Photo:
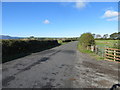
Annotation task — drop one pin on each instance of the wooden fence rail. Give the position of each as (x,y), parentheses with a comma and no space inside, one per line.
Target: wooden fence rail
(112,54)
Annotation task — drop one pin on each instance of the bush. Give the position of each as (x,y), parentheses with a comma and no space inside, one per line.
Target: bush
(86,40)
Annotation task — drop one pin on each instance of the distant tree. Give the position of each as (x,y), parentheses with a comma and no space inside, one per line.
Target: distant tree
(31,36)
(93,35)
(105,36)
(86,39)
(118,35)
(114,35)
(98,36)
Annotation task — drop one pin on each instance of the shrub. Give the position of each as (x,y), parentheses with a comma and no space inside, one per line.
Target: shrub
(86,39)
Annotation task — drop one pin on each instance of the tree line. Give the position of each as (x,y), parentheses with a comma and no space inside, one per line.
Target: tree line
(113,36)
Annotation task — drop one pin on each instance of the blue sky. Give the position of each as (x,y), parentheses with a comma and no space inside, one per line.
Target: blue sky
(58,19)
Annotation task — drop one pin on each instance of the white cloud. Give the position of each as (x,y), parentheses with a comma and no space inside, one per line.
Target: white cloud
(46,21)
(77,3)
(113,19)
(110,13)
(80,4)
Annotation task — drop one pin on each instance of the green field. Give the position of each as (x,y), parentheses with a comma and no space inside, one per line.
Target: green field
(108,43)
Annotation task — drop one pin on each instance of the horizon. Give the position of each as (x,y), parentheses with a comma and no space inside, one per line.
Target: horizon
(59,37)
(59,19)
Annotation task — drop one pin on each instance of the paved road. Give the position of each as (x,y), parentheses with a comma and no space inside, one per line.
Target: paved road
(59,67)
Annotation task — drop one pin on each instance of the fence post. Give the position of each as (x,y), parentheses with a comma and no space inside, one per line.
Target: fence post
(96,49)
(114,54)
(105,53)
(92,48)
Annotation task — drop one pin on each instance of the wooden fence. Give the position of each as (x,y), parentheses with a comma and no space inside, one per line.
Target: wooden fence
(107,53)
(112,54)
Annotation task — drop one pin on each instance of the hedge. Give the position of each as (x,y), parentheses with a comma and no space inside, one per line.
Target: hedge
(13,48)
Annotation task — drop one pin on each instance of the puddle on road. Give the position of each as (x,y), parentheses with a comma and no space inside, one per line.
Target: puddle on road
(44,59)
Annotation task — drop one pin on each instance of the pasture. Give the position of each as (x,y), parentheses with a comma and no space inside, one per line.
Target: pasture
(108,43)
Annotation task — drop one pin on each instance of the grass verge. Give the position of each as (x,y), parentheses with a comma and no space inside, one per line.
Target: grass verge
(93,55)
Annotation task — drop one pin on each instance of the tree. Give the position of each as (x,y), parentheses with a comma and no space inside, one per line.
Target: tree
(31,36)
(86,39)
(105,36)
(98,36)
(93,35)
(115,35)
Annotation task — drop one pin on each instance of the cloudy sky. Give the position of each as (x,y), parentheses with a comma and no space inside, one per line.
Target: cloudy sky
(59,19)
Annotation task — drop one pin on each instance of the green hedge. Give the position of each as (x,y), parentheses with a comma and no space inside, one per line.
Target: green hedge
(13,48)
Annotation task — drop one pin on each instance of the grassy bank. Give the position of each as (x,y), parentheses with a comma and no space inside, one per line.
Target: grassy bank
(93,55)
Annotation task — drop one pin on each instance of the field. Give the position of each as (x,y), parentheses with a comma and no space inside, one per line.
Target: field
(108,43)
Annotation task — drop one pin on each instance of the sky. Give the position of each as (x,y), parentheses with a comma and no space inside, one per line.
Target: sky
(59,19)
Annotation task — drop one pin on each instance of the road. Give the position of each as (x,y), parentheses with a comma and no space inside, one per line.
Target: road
(59,67)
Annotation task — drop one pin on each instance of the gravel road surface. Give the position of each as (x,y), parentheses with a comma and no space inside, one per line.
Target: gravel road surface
(59,67)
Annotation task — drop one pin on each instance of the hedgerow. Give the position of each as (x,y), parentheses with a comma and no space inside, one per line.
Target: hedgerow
(13,48)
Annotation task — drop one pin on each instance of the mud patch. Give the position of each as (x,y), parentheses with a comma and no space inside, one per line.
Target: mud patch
(72,79)
(100,68)
(103,83)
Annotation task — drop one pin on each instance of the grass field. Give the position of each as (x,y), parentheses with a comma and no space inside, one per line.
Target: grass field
(108,43)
